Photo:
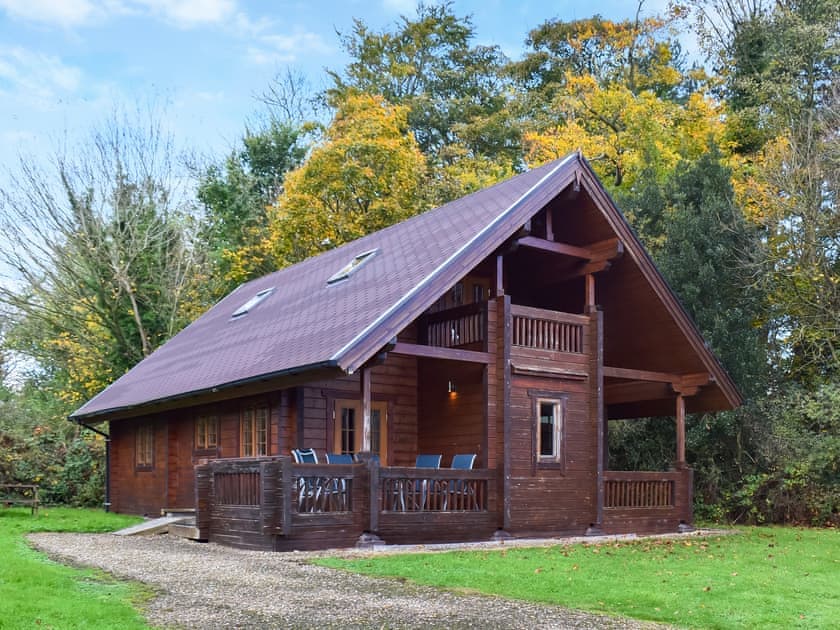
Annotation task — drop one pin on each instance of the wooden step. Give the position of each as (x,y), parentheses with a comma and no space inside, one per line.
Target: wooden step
(185,529)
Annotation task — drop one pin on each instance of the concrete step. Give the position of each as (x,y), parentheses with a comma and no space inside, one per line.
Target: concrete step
(185,529)
(153,526)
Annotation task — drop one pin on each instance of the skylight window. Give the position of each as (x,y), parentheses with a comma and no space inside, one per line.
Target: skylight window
(252,303)
(352,267)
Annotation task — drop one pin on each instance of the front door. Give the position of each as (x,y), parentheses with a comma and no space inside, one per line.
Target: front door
(347,436)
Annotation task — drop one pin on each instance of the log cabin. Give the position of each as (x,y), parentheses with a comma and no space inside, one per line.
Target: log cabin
(512,324)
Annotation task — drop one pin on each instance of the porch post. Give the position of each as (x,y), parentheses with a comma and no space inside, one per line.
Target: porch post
(680,463)
(364,384)
(596,323)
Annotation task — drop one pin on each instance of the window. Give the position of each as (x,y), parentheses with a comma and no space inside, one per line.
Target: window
(352,267)
(458,294)
(252,303)
(144,447)
(206,433)
(549,430)
(253,432)
(348,428)
(478,293)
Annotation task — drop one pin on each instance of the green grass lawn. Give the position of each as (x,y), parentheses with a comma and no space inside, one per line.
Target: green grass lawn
(38,593)
(761,578)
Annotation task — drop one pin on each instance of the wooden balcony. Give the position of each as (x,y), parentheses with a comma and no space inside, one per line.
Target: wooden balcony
(272,503)
(460,327)
(553,331)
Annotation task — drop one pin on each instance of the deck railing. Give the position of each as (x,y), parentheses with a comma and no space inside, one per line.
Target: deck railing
(624,489)
(542,329)
(457,327)
(322,488)
(434,490)
(237,488)
(257,502)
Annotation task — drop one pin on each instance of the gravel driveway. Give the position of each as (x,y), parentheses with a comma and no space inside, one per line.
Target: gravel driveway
(209,586)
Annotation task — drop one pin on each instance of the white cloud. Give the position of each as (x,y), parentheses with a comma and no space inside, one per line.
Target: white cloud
(42,79)
(59,12)
(400,6)
(71,13)
(189,13)
(286,48)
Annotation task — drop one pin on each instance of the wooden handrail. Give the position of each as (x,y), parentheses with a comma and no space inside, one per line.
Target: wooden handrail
(554,316)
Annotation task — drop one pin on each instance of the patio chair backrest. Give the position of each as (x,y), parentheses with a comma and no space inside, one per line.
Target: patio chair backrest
(305,455)
(428,461)
(463,461)
(339,458)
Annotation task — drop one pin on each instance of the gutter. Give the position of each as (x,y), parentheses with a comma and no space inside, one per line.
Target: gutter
(107,437)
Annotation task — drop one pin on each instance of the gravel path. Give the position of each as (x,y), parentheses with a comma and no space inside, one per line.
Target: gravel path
(209,586)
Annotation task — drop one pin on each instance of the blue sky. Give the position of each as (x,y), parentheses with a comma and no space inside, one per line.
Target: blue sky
(65,63)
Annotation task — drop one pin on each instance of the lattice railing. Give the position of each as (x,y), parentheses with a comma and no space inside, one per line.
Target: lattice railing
(434,490)
(322,493)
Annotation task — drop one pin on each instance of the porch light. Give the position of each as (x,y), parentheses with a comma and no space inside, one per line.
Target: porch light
(450,387)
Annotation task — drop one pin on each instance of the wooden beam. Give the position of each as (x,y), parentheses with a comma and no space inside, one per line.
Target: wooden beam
(680,382)
(636,391)
(500,275)
(680,432)
(446,354)
(544,245)
(595,252)
(589,302)
(583,269)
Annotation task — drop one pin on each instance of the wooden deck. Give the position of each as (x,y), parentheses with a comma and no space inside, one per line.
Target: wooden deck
(275,504)
(272,503)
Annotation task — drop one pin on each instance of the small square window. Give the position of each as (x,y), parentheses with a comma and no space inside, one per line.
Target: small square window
(206,433)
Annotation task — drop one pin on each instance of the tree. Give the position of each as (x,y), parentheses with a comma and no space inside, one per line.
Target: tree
(623,133)
(456,93)
(236,196)
(367,174)
(103,261)
(640,54)
(781,68)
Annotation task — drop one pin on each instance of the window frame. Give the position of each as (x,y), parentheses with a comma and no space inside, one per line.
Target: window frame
(203,422)
(249,426)
(559,401)
(144,447)
(335,427)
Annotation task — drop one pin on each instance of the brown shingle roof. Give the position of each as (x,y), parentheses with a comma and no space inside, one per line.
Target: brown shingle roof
(307,323)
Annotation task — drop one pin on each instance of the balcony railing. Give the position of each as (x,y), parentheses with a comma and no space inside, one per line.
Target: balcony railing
(542,329)
(457,327)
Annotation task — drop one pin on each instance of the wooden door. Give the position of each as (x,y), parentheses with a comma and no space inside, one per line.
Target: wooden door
(181,476)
